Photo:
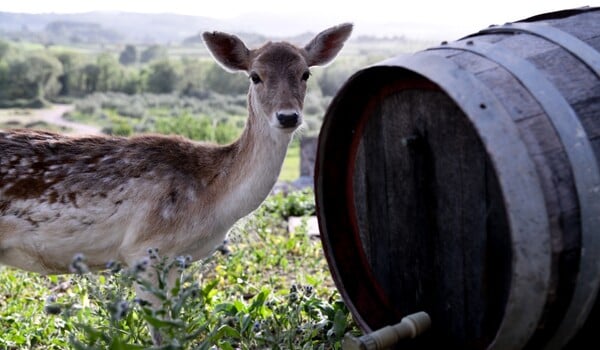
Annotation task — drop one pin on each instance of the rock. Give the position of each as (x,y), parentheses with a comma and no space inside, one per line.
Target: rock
(312,224)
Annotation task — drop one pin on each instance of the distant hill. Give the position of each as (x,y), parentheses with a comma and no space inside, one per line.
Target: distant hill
(111,27)
(137,28)
(79,32)
(166,28)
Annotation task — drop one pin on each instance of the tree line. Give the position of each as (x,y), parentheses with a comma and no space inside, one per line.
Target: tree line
(30,78)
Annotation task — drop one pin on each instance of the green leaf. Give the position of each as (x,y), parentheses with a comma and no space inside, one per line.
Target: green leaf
(258,302)
(339,324)
(225,346)
(161,323)
(227,308)
(228,331)
(92,334)
(246,322)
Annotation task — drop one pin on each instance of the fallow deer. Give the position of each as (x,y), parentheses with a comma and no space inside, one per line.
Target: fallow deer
(113,198)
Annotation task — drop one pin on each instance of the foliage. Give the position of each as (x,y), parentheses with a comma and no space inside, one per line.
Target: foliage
(185,70)
(163,77)
(72,64)
(166,114)
(266,289)
(192,82)
(54,74)
(185,125)
(153,52)
(296,203)
(33,77)
(290,170)
(119,128)
(110,72)
(4,47)
(224,82)
(128,55)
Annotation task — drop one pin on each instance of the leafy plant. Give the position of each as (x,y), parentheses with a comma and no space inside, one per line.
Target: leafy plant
(298,203)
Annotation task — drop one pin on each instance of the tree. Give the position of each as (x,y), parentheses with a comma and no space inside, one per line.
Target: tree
(34,77)
(162,77)
(332,78)
(90,76)
(70,79)
(152,53)
(132,82)
(4,82)
(218,80)
(110,73)
(193,77)
(128,55)
(4,48)
(45,70)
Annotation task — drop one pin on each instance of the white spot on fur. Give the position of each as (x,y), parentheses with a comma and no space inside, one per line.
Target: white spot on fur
(191,195)
(167,212)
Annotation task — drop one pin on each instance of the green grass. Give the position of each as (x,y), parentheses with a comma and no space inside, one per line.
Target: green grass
(290,170)
(273,290)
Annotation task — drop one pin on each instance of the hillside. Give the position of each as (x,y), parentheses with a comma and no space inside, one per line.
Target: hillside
(165,28)
(109,27)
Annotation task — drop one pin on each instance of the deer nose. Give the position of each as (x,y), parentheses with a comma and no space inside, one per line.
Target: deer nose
(288,119)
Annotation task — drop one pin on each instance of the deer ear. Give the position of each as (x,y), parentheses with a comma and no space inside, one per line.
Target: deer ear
(326,45)
(228,50)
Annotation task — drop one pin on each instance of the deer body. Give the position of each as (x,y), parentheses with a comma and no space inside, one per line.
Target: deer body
(67,196)
(112,198)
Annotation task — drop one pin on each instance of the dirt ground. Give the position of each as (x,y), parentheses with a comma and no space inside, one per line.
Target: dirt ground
(53,116)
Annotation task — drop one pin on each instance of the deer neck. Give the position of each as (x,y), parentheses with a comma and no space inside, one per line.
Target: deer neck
(255,166)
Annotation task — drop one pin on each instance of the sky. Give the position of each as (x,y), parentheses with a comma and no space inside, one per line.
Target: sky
(454,16)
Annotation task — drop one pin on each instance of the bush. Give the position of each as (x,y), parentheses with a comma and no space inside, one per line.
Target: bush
(163,77)
(298,203)
(132,110)
(225,131)
(24,103)
(89,106)
(120,128)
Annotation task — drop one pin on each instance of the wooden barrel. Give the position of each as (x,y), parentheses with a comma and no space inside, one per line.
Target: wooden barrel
(463,181)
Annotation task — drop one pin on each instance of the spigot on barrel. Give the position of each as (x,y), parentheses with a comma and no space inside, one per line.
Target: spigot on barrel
(409,327)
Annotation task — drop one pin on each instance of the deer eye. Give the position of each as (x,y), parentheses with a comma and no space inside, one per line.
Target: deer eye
(255,78)
(305,76)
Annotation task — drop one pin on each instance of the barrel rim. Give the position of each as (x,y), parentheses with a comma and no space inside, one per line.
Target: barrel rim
(365,286)
(560,14)
(377,298)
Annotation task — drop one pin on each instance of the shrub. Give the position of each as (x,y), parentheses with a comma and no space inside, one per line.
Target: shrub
(186,125)
(298,203)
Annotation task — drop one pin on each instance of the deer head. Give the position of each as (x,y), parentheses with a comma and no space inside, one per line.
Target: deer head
(278,72)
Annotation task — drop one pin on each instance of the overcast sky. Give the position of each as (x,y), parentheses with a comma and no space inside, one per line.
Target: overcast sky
(456,15)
